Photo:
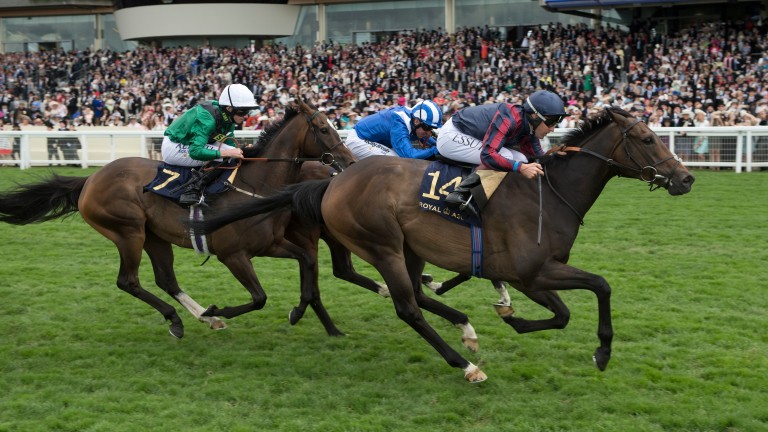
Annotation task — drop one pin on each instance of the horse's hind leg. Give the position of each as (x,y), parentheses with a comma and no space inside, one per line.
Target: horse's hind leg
(401,283)
(415,266)
(160,254)
(128,281)
(343,269)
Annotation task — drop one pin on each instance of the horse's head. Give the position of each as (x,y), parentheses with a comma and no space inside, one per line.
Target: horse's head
(636,151)
(321,139)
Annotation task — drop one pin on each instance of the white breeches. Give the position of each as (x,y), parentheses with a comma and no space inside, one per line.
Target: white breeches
(178,154)
(455,145)
(363,148)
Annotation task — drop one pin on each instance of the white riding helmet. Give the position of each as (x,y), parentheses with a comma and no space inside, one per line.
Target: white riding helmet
(237,96)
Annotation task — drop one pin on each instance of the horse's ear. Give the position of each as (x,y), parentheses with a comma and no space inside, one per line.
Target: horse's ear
(302,105)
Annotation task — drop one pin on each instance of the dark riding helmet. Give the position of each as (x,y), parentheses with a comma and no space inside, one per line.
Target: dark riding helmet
(544,106)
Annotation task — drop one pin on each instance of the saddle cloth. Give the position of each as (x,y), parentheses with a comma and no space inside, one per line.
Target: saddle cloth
(440,179)
(170,180)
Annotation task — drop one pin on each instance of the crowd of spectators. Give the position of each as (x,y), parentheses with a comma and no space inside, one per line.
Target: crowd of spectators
(718,69)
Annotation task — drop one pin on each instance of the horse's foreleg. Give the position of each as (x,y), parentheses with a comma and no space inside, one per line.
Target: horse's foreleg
(547,299)
(161,255)
(241,268)
(504,298)
(559,276)
(444,287)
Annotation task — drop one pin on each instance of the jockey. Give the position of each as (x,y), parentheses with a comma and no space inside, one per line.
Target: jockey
(484,135)
(198,136)
(390,132)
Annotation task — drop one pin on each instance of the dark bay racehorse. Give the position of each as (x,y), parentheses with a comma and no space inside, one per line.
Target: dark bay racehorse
(373,209)
(113,202)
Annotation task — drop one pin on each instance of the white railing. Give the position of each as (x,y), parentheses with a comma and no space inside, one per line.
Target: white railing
(736,148)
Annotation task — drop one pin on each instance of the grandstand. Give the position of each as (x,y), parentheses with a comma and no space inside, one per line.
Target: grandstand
(120,25)
(656,62)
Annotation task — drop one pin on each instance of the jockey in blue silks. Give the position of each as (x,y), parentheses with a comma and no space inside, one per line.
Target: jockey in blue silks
(391,132)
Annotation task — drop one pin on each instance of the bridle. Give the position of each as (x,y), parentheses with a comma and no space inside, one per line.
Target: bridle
(326,158)
(648,174)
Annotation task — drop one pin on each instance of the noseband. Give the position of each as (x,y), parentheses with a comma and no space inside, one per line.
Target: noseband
(327,157)
(648,173)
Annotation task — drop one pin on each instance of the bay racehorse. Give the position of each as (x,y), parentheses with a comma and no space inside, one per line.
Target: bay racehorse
(373,209)
(114,203)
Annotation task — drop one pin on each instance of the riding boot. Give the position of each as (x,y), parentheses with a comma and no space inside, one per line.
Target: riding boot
(193,191)
(463,192)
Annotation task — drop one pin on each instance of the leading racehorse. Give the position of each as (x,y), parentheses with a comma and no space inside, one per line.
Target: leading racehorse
(113,201)
(385,226)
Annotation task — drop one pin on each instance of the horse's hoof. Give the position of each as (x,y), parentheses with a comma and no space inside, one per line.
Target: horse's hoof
(473,374)
(426,278)
(601,358)
(211,311)
(295,315)
(384,291)
(471,344)
(177,330)
(504,311)
(218,325)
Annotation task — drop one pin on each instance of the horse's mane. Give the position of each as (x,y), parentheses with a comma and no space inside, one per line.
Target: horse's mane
(590,126)
(271,131)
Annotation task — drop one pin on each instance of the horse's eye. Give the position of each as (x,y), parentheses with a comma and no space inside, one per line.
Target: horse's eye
(324,130)
(649,141)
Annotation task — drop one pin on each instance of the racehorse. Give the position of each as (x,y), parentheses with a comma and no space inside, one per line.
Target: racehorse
(114,203)
(384,225)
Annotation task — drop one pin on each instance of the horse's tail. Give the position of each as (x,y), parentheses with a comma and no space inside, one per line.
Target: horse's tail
(303,199)
(40,202)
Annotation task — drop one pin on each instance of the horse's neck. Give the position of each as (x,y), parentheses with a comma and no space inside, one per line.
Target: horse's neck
(581,178)
(579,181)
(273,175)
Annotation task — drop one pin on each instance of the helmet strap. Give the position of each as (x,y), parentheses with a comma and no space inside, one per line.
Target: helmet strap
(540,117)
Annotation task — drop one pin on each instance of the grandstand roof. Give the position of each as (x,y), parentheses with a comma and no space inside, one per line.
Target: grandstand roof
(562,5)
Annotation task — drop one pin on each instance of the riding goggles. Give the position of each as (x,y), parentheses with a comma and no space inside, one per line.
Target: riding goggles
(240,112)
(426,127)
(549,120)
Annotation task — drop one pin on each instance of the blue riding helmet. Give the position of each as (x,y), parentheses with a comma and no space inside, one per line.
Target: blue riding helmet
(429,113)
(544,106)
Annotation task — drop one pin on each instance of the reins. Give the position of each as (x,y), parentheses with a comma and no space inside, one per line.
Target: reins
(650,170)
(326,158)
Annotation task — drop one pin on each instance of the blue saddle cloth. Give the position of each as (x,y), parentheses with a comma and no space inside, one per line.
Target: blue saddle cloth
(170,180)
(438,181)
